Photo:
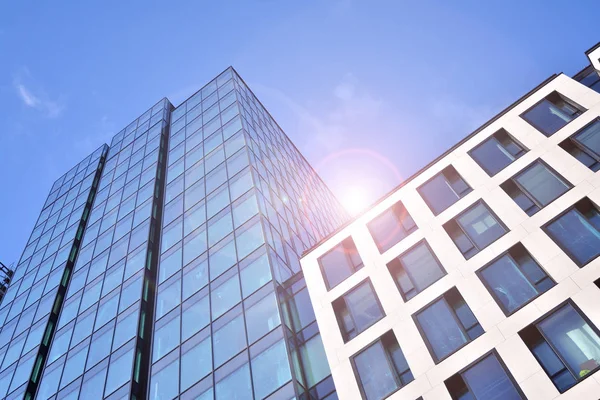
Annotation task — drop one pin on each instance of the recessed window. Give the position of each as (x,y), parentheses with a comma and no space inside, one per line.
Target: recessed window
(585,145)
(416,270)
(381,368)
(577,232)
(444,189)
(474,229)
(485,379)
(357,310)
(391,226)
(497,152)
(590,78)
(340,262)
(514,279)
(447,324)
(535,187)
(552,113)
(565,344)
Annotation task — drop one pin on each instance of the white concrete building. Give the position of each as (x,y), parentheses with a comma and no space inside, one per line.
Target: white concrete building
(479,276)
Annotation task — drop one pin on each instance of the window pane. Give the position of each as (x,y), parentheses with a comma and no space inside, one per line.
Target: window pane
(229,340)
(492,156)
(363,306)
(590,137)
(340,263)
(236,386)
(374,372)
(270,370)
(489,381)
(225,296)
(196,363)
(481,226)
(576,235)
(550,114)
(438,194)
(508,283)
(314,361)
(119,371)
(441,329)
(195,317)
(541,183)
(163,385)
(262,317)
(577,343)
(421,266)
(166,338)
(387,229)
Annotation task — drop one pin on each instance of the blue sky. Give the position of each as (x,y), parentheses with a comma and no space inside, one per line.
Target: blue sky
(369,91)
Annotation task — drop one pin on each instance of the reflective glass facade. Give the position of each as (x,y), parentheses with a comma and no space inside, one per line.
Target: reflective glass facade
(29,310)
(184,279)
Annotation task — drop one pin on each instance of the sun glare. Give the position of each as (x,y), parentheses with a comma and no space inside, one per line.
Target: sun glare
(354,200)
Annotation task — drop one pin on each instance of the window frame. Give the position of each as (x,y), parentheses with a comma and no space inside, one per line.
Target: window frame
(413,247)
(495,353)
(479,273)
(572,140)
(474,246)
(493,136)
(533,325)
(464,330)
(348,258)
(342,299)
(396,209)
(449,167)
(388,359)
(565,250)
(514,180)
(565,99)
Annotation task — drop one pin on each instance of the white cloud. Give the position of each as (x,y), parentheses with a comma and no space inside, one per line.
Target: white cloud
(39,100)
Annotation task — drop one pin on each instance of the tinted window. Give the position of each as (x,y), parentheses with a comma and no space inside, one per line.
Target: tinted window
(416,270)
(585,145)
(391,226)
(443,190)
(486,379)
(497,152)
(474,229)
(535,187)
(565,344)
(515,279)
(339,263)
(447,324)
(357,310)
(552,113)
(577,232)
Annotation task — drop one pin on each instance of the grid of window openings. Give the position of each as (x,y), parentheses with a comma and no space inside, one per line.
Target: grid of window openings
(241,205)
(27,313)
(565,343)
(93,351)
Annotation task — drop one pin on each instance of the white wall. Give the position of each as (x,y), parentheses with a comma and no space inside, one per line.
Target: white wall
(501,332)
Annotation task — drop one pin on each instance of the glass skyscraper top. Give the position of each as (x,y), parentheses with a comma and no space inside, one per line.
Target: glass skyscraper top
(167,266)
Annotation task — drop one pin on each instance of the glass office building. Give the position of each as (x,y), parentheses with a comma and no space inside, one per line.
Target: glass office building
(167,265)
(479,276)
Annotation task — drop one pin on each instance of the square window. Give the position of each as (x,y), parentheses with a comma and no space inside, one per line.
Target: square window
(381,368)
(443,190)
(497,152)
(485,379)
(357,310)
(552,113)
(535,187)
(474,229)
(447,325)
(391,226)
(514,279)
(577,232)
(565,344)
(584,145)
(340,262)
(415,270)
